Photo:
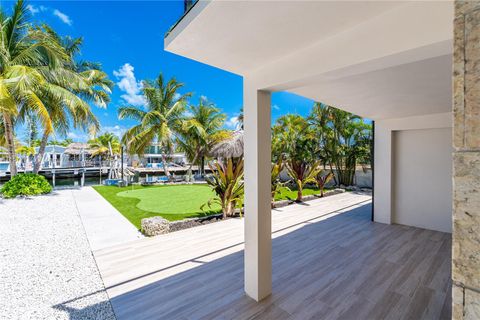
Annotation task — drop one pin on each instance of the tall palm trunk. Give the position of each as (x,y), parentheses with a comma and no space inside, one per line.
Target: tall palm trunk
(165,166)
(189,170)
(202,166)
(41,153)
(10,139)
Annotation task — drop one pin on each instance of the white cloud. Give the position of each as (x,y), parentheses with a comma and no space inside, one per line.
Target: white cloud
(33,9)
(129,84)
(233,123)
(275,107)
(36,9)
(63,17)
(77,136)
(72,135)
(116,130)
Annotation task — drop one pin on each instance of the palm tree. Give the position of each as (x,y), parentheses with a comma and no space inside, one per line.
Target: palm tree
(3,142)
(294,140)
(158,121)
(200,131)
(63,143)
(105,145)
(26,152)
(24,53)
(80,82)
(288,129)
(344,139)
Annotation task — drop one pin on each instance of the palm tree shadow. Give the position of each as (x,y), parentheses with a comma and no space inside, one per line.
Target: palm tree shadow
(76,311)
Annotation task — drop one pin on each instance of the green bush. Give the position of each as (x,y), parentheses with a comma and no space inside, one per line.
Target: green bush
(26,184)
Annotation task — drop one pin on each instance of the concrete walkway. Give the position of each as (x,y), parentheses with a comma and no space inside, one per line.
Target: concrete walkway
(104,225)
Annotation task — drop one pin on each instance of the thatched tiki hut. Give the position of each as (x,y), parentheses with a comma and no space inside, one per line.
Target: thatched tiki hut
(78,154)
(229,148)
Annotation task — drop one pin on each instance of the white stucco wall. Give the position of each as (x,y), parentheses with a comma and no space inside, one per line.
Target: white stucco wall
(389,204)
(422,178)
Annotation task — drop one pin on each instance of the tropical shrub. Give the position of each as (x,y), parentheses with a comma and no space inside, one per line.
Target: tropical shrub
(26,184)
(277,184)
(227,182)
(321,179)
(302,173)
(295,140)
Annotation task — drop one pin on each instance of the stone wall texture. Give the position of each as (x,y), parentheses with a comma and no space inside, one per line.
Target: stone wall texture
(466,161)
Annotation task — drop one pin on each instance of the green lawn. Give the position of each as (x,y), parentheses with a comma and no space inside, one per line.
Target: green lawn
(171,202)
(291,194)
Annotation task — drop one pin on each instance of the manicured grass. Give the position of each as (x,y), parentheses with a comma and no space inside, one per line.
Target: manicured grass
(286,194)
(171,202)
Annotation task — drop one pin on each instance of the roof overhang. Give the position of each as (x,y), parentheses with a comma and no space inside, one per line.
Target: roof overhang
(379,59)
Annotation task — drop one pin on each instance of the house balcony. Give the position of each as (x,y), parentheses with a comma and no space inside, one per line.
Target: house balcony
(330,261)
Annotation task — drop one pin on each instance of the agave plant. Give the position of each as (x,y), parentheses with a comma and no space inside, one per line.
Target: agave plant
(227,182)
(302,173)
(322,179)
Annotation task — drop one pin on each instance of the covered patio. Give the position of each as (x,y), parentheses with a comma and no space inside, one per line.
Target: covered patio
(388,61)
(329,261)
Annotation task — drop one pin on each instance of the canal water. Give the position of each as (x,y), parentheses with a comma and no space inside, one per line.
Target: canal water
(76,181)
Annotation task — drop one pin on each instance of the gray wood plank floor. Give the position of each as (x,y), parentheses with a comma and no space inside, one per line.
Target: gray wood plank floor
(329,262)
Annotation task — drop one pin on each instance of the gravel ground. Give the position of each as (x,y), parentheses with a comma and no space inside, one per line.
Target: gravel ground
(47,270)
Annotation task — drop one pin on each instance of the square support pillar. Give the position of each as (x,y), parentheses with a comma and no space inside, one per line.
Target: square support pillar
(258,224)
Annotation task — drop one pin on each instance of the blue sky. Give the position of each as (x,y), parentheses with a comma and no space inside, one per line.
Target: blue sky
(127,39)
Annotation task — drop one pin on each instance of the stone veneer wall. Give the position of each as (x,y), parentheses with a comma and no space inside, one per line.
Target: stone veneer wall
(466,166)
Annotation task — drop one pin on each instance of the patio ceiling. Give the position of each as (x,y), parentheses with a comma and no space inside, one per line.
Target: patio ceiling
(378,59)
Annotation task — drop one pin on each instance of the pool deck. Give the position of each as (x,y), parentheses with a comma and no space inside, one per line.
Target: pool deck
(104,225)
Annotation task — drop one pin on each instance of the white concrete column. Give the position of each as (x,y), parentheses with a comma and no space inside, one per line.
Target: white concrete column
(258,224)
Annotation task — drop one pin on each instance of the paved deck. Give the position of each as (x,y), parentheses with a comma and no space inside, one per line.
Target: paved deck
(104,225)
(329,262)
